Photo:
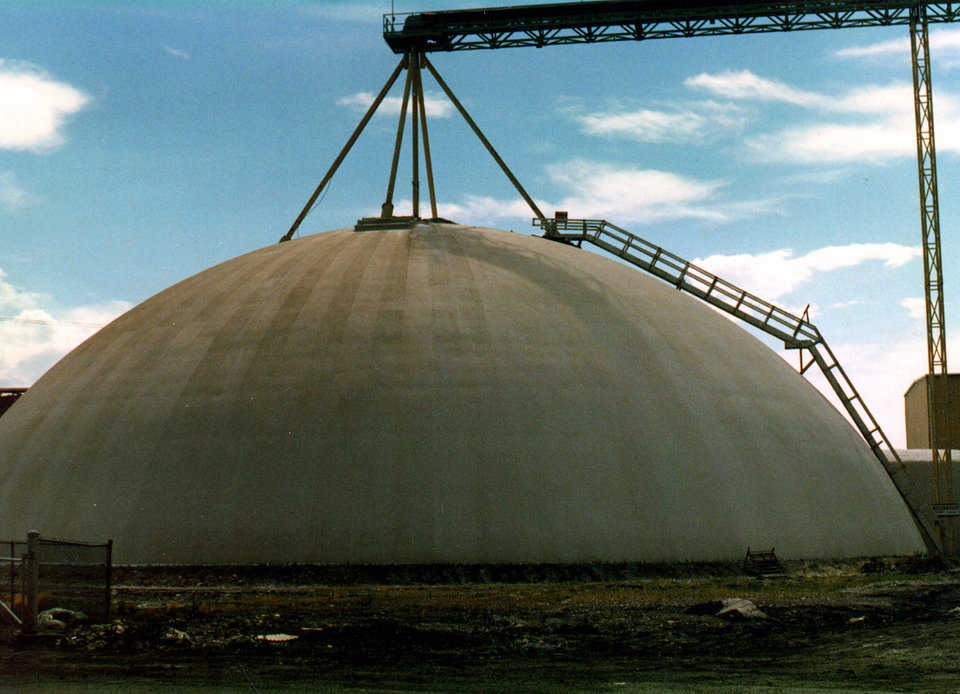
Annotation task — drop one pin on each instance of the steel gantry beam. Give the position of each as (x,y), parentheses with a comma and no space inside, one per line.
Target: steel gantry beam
(637,20)
(936,382)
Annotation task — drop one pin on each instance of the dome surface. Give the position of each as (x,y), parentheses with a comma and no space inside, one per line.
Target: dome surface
(442,394)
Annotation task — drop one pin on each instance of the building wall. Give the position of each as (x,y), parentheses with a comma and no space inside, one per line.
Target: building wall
(917,421)
(916,477)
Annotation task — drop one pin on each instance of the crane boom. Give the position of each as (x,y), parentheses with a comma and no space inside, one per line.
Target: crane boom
(636,20)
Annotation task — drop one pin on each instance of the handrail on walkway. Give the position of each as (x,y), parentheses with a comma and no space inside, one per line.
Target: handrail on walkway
(795,332)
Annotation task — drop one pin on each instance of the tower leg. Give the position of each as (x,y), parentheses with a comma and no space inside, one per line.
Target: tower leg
(426,146)
(386,210)
(486,143)
(343,152)
(937,392)
(414,139)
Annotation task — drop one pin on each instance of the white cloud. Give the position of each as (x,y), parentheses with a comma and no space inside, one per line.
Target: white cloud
(871,123)
(744,84)
(605,189)
(176,53)
(643,196)
(875,124)
(620,194)
(899,46)
(892,99)
(816,144)
(679,123)
(645,125)
(15,299)
(777,273)
(942,43)
(887,132)
(916,307)
(33,338)
(12,196)
(844,304)
(437,105)
(35,107)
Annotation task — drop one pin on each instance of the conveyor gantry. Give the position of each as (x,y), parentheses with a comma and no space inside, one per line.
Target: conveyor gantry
(566,23)
(416,34)
(603,21)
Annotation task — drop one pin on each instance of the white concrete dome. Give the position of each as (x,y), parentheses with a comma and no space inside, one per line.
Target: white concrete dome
(446,394)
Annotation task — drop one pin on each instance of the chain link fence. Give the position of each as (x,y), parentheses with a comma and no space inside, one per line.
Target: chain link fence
(72,575)
(76,575)
(13,576)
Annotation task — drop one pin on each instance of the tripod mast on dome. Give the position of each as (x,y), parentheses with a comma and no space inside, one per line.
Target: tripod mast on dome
(413,61)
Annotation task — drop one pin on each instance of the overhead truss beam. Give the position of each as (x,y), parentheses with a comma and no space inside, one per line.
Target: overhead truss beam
(600,22)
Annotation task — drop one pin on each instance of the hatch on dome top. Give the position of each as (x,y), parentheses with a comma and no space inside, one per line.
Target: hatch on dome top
(394,223)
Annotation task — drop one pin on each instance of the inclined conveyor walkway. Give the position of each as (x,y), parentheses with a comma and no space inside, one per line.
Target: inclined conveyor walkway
(795,332)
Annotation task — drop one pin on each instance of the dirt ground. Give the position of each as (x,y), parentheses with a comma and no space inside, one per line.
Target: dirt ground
(889,625)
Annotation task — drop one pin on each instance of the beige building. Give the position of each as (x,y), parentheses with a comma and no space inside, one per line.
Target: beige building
(445,394)
(917,421)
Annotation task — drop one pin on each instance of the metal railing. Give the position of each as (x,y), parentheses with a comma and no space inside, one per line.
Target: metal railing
(60,573)
(13,580)
(795,332)
(750,308)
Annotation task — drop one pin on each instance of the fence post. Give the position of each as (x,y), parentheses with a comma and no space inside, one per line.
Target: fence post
(109,576)
(13,573)
(32,568)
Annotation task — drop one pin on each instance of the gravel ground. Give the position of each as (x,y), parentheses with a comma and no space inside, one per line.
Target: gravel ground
(870,626)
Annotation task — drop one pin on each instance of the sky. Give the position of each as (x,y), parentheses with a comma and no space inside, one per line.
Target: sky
(142,142)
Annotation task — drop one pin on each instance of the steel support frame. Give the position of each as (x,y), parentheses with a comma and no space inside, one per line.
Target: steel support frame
(386,210)
(413,96)
(936,382)
(343,152)
(413,93)
(483,139)
(639,25)
(427,159)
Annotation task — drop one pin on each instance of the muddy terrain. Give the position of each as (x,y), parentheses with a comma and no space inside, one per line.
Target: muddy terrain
(867,626)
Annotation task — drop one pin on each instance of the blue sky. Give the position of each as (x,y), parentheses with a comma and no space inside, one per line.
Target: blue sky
(143,142)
